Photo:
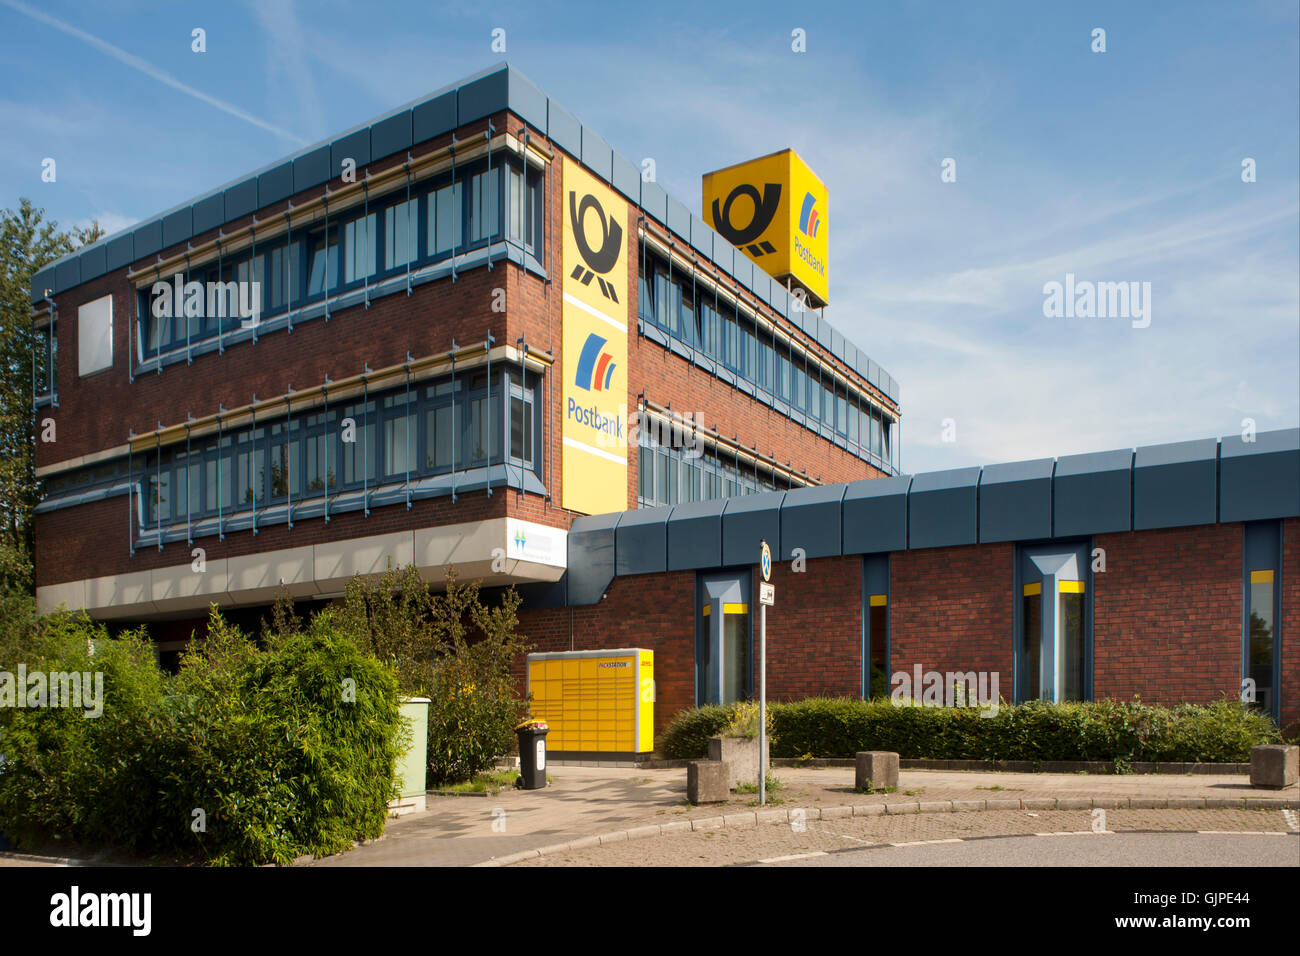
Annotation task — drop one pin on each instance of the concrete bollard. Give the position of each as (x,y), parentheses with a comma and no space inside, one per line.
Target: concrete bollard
(1274,765)
(708,781)
(877,770)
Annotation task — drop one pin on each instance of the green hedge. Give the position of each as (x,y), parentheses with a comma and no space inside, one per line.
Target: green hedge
(1121,732)
(285,751)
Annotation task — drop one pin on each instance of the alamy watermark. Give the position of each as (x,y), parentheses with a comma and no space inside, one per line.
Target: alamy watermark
(200,300)
(1084,299)
(950,689)
(75,689)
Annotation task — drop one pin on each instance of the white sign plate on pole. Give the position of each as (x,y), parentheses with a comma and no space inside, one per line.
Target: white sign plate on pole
(766,593)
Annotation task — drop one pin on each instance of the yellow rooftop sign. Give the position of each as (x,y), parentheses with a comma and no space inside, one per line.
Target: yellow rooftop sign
(774,209)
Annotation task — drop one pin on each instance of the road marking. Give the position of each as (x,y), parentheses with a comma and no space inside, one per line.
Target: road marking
(847,837)
(929,842)
(793,856)
(1075,833)
(1244,832)
(1291,821)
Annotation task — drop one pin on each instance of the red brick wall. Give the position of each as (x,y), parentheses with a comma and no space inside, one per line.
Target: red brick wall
(814,632)
(1167,615)
(651,611)
(951,609)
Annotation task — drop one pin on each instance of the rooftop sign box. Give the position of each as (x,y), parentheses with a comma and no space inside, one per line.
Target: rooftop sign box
(774,209)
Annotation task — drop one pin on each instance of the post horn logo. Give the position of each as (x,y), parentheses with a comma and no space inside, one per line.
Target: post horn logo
(764,211)
(598,261)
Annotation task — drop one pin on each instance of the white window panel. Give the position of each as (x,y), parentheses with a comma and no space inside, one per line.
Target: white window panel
(95,335)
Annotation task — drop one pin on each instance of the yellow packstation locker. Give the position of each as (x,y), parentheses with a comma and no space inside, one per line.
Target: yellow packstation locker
(595,701)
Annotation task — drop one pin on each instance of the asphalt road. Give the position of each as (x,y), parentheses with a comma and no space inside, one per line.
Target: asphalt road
(1091,849)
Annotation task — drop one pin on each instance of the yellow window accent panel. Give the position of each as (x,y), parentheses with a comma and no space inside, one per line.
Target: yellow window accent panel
(735,609)
(1032,589)
(1261,577)
(879,600)
(1072,587)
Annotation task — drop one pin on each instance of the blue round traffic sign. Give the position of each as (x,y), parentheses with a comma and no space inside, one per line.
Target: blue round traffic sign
(765,561)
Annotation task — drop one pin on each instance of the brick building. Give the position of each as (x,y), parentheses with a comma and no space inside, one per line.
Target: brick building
(470,333)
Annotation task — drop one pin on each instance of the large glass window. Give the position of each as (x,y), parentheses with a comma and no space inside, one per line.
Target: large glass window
(401,232)
(444,218)
(1261,572)
(359,239)
(722,645)
(324,255)
(484,220)
(1052,649)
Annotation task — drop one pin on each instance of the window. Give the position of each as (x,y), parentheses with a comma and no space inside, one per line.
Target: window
(722,639)
(444,219)
(45,361)
(324,273)
(521,422)
(1259,666)
(523,205)
(875,649)
(359,248)
(401,230)
(400,435)
(1053,652)
(95,335)
(359,452)
(484,220)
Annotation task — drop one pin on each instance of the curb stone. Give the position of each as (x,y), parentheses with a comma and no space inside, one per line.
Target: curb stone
(752,818)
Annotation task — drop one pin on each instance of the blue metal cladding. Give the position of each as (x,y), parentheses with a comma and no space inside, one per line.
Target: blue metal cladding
(746,521)
(45,279)
(93,262)
(1175,485)
(875,515)
(149,238)
(1016,501)
(679,219)
(121,251)
(67,274)
(810,520)
(311,169)
(942,508)
(695,535)
(641,542)
(591,557)
(433,117)
(741,268)
(209,213)
(654,201)
(274,185)
(701,237)
(626,178)
(1260,479)
(596,154)
(482,97)
(241,200)
(563,128)
(177,227)
(392,135)
(354,146)
(1093,493)
(526,100)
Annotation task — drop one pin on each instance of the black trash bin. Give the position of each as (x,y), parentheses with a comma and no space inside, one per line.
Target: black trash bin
(532,754)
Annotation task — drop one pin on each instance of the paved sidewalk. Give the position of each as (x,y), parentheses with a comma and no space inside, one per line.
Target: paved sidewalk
(584,802)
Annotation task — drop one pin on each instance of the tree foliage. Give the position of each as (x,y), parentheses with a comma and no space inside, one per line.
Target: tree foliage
(28,242)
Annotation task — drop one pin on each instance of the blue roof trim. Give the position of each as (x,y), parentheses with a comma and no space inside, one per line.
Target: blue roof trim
(1260,479)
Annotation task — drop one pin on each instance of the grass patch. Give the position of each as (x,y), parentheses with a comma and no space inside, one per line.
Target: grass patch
(489,781)
(868,788)
(998,786)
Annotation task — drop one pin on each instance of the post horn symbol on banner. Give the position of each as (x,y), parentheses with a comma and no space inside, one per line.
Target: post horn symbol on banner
(598,261)
(764,211)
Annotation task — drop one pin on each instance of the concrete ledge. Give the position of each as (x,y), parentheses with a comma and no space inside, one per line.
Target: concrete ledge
(934,806)
(708,823)
(583,843)
(1038,803)
(772,816)
(677,826)
(1002,803)
(619,836)
(740,820)
(1147,803)
(836,813)
(1110,803)
(1185,803)
(1074,803)
(894,809)
(641,833)
(868,809)
(962,806)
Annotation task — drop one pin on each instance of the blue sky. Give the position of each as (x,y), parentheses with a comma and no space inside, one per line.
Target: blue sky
(1115,166)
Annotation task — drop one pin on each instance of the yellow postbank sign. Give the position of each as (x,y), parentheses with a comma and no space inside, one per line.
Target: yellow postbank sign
(594,341)
(774,209)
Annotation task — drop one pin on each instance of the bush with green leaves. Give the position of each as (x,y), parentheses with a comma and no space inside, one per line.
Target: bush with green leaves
(1118,732)
(454,649)
(247,756)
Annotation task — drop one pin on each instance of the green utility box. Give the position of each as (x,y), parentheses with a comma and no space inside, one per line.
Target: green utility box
(411,769)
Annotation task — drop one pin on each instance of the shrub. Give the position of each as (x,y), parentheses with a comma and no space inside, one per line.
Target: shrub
(1122,732)
(285,751)
(687,736)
